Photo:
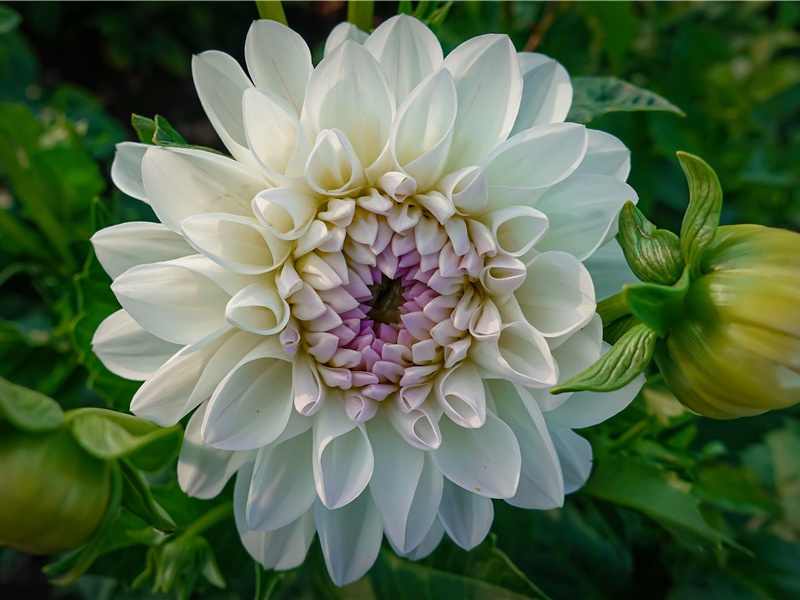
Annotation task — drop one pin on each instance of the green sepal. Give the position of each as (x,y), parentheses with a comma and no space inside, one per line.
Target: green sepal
(705,204)
(28,409)
(145,128)
(615,330)
(654,255)
(272,10)
(138,499)
(360,13)
(612,308)
(110,435)
(617,367)
(177,564)
(658,306)
(165,134)
(160,132)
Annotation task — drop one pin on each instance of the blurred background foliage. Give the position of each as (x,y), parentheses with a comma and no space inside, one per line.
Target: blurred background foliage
(678,506)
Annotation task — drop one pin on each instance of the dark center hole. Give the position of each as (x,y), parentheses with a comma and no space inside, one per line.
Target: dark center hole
(387,297)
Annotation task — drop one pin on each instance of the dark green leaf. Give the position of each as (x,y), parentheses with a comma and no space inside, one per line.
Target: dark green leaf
(617,367)
(9,19)
(658,306)
(595,96)
(27,409)
(733,489)
(705,204)
(654,255)
(138,499)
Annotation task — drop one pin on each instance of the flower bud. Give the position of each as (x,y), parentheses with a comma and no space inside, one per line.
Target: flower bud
(736,352)
(53,494)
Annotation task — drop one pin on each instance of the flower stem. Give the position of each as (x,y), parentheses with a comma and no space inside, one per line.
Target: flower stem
(272,10)
(359,13)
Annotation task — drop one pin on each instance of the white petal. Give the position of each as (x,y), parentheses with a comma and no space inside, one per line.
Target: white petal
(252,404)
(406,50)
(128,350)
(546,92)
(428,543)
(333,168)
(575,351)
(258,308)
(557,296)
(273,133)
(423,129)
(348,91)
(350,537)
(467,189)
(609,270)
(419,427)
(538,157)
(342,33)
(466,517)
(220,83)
(489,87)
(605,155)
(343,460)
(190,377)
(541,483)
(575,454)
(405,485)
(516,229)
(120,247)
(183,182)
(583,212)
(484,460)
(203,471)
(126,170)
(285,212)
(309,390)
(460,394)
(502,275)
(278,60)
(282,488)
(282,549)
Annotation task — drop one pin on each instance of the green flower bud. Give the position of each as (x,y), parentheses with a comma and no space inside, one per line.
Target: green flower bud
(736,352)
(53,494)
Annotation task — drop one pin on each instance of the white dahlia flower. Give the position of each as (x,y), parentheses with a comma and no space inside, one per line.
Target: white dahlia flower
(366,306)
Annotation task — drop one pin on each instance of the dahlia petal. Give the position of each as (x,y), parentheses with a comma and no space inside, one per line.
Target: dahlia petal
(126,170)
(605,155)
(406,50)
(466,517)
(190,377)
(428,544)
(423,129)
(546,92)
(252,404)
(333,169)
(516,229)
(520,353)
(461,395)
(466,188)
(203,471)
(258,308)
(407,498)
(282,489)
(485,461)
(342,33)
(182,182)
(528,159)
(575,455)
(583,213)
(236,243)
(557,297)
(577,350)
(541,482)
(286,212)
(121,247)
(128,350)
(278,60)
(489,86)
(350,537)
(609,270)
(502,275)
(220,83)
(273,133)
(419,427)
(343,460)
(281,549)
(348,91)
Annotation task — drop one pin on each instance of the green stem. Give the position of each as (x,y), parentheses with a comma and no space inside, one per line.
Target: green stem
(272,10)
(211,518)
(359,13)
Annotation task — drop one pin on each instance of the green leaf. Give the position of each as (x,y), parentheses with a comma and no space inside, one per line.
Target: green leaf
(654,255)
(272,10)
(138,499)
(110,435)
(145,128)
(705,204)
(617,367)
(9,19)
(733,489)
(166,135)
(595,96)
(660,494)
(27,409)
(658,306)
